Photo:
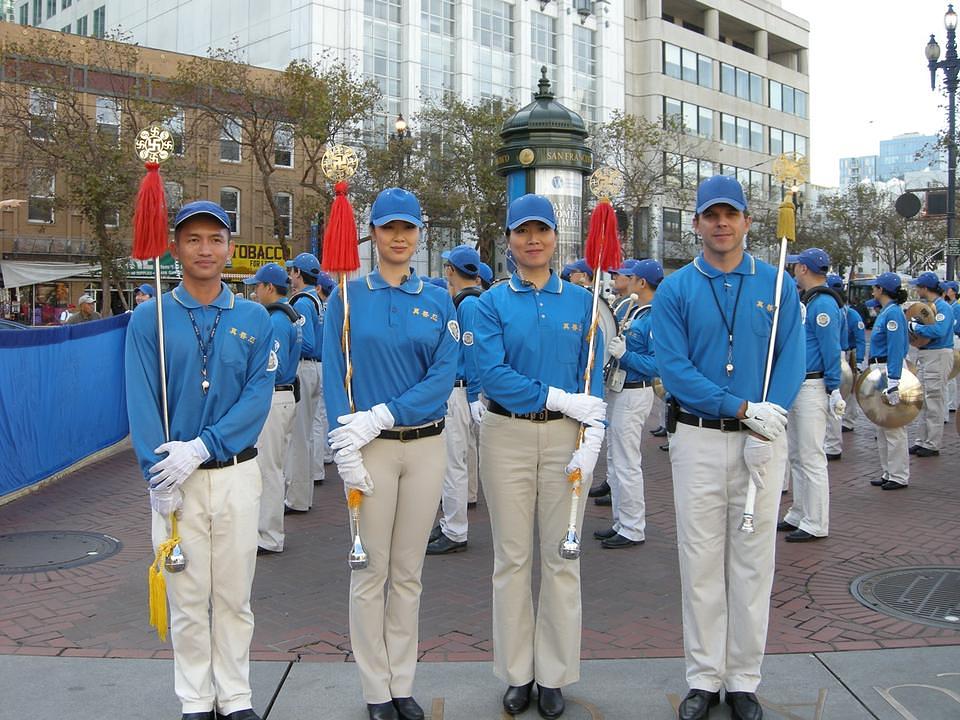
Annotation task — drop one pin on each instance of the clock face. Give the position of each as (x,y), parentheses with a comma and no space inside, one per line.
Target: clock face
(526,156)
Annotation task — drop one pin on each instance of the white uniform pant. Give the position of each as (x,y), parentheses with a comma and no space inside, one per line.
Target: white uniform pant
(806,425)
(850,414)
(320,451)
(461,444)
(211,623)
(833,442)
(473,463)
(934,368)
(627,412)
(297,469)
(271,451)
(893,451)
(522,471)
(951,401)
(726,575)
(395,524)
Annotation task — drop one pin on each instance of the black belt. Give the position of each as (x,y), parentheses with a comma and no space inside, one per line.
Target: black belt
(814,375)
(311,359)
(877,359)
(408,434)
(541,416)
(638,384)
(460,383)
(281,388)
(242,456)
(722,424)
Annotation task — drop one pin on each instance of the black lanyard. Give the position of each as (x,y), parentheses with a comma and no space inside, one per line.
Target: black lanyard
(728,325)
(206,348)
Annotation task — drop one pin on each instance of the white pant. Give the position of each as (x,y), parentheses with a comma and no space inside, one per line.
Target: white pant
(627,412)
(806,425)
(211,623)
(850,414)
(951,401)
(893,451)
(934,368)
(271,451)
(726,575)
(461,444)
(320,451)
(833,441)
(297,469)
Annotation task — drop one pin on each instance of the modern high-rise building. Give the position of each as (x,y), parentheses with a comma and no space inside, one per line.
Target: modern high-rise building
(902,154)
(858,169)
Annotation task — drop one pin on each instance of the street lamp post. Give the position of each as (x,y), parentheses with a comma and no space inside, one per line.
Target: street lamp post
(951,67)
(402,137)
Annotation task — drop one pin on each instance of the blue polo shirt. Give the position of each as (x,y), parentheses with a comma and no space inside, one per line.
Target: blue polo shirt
(528,340)
(889,338)
(856,333)
(287,345)
(824,320)
(313,322)
(639,360)
(467,361)
(955,306)
(690,338)
(941,331)
(229,416)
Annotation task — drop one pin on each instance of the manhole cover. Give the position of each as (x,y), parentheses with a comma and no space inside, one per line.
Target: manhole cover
(30,552)
(929,595)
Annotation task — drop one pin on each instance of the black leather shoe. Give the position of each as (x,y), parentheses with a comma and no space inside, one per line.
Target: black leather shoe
(605,501)
(517,698)
(199,716)
(265,551)
(799,535)
(550,702)
(665,447)
(744,706)
(599,490)
(926,452)
(287,510)
(444,546)
(619,541)
(784,526)
(913,449)
(471,505)
(696,705)
(891,485)
(834,456)
(247,714)
(435,534)
(659,432)
(846,429)
(408,708)
(382,711)
(878,482)
(604,534)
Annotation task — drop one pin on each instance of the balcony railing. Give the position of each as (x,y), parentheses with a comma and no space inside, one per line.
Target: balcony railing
(46,245)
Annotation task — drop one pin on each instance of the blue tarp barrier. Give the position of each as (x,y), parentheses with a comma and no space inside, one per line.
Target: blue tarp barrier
(61,397)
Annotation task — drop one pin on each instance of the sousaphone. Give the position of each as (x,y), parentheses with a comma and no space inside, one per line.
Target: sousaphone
(869,391)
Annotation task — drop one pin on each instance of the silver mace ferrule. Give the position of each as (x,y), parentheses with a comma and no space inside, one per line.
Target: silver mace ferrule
(570,545)
(176,561)
(747,525)
(357,559)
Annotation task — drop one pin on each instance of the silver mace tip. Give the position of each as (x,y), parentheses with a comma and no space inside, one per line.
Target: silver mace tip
(357,559)
(747,525)
(570,545)
(175,562)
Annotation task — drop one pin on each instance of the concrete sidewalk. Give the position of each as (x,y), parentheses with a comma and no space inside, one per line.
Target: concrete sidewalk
(911,684)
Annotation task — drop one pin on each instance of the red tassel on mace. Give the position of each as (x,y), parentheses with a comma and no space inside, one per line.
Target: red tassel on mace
(150,235)
(603,245)
(340,242)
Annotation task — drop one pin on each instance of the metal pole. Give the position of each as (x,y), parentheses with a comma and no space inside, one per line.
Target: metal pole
(950,71)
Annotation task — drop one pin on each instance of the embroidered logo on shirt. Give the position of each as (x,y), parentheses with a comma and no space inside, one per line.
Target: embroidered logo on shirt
(576,327)
(243,335)
(425,314)
(454,329)
(272,362)
(468,338)
(939,317)
(892,325)
(823,319)
(861,325)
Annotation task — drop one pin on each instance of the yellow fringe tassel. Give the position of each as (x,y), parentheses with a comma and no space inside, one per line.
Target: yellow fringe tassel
(158,584)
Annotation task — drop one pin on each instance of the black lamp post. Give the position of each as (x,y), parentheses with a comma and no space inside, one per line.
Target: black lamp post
(950,66)
(401,136)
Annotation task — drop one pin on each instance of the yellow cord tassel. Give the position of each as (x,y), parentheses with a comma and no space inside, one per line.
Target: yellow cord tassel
(787,219)
(157,583)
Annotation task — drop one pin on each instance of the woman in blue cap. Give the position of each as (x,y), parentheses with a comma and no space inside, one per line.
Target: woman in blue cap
(889,343)
(404,341)
(530,341)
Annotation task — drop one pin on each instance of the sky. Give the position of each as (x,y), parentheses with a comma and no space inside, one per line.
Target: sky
(869,78)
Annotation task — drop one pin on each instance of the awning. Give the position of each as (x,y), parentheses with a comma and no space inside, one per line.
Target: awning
(17,273)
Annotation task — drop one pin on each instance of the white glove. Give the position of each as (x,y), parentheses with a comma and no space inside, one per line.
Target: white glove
(166,500)
(912,326)
(891,394)
(837,404)
(766,418)
(756,454)
(352,471)
(359,428)
(182,459)
(617,346)
(582,407)
(477,410)
(864,365)
(585,457)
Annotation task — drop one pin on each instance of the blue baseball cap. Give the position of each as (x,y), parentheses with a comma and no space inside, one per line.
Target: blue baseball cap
(871,303)
(202,207)
(271,273)
(464,258)
(625,268)
(720,189)
(814,258)
(927,280)
(889,281)
(306,263)
(834,281)
(396,204)
(326,283)
(650,270)
(438,281)
(531,207)
(147,290)
(580,265)
(486,273)
(950,285)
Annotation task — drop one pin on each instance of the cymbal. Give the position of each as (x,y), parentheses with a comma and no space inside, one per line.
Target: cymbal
(869,390)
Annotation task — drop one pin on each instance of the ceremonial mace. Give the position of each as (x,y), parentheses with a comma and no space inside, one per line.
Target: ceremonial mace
(602,252)
(341,256)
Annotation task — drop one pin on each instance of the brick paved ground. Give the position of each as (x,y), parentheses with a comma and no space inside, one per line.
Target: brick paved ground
(631,597)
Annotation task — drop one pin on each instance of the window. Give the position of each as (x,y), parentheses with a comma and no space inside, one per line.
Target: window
(728,129)
(690,117)
(776,95)
(493,53)
(82,25)
(756,88)
(37,12)
(230,136)
(25,14)
(671,111)
(743,83)
(65,4)
(42,193)
(175,124)
(800,144)
(43,113)
(776,141)
(671,225)
(705,123)
(51,8)
(543,38)
(284,203)
(743,133)
(757,184)
(704,71)
(111,218)
(283,146)
(672,167)
(671,61)
(691,168)
(756,136)
(100,21)
(230,202)
(173,193)
(438,49)
(728,79)
(381,62)
(689,65)
(108,119)
(585,72)
(788,97)
(66,29)
(800,103)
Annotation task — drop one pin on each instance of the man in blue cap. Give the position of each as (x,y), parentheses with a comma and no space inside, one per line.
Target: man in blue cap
(220,378)
(144,292)
(581,273)
(711,328)
(819,398)
(464,408)
(628,406)
(486,275)
(621,299)
(320,444)
(854,346)
(270,289)
(300,470)
(934,362)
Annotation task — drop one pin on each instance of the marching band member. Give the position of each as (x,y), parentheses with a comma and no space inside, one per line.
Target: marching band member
(833,442)
(404,337)
(888,347)
(951,288)
(934,361)
(857,342)
(531,351)
(819,398)
(220,379)
(319,445)
(628,410)
(711,328)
